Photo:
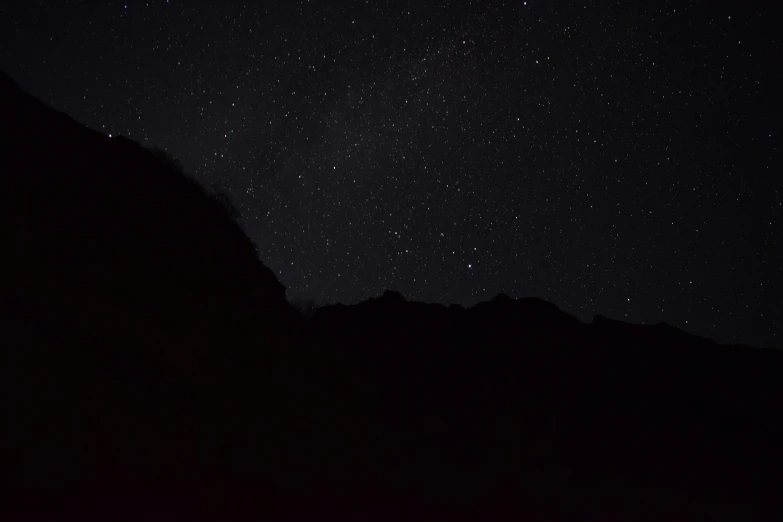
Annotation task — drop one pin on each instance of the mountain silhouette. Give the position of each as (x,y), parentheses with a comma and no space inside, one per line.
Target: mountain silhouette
(152,368)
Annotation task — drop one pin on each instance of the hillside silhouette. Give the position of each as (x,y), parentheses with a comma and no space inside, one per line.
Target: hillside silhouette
(152,369)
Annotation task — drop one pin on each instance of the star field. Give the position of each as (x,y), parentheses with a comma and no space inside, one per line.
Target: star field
(614,158)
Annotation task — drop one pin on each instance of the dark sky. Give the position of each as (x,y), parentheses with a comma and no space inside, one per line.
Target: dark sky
(621,158)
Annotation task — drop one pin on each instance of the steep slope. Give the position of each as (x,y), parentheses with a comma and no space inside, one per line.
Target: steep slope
(108,214)
(137,321)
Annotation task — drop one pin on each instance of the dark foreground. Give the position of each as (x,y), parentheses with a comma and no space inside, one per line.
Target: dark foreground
(151,369)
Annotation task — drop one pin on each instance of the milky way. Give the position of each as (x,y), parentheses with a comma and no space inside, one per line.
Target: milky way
(612,158)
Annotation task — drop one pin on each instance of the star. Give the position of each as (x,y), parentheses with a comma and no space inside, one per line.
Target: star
(427,132)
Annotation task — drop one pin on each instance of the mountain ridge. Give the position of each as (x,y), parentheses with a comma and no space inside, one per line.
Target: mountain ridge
(152,367)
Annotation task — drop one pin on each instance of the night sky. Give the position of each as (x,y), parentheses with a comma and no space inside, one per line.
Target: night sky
(616,158)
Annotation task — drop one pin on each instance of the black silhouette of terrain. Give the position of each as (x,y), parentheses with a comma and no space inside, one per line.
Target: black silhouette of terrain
(152,369)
